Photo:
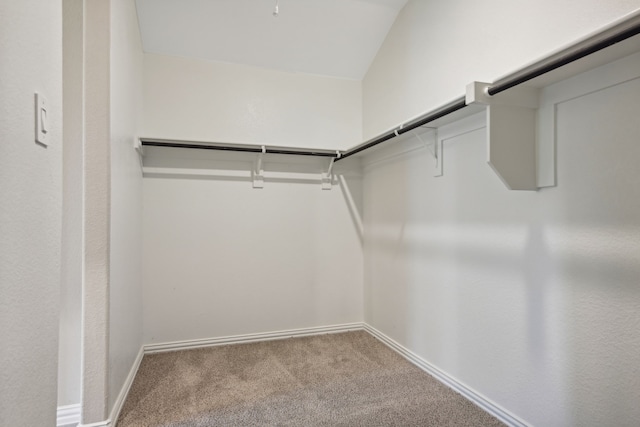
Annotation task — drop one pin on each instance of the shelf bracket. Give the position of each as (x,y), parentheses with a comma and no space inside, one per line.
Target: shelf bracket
(137,145)
(511,133)
(327,178)
(435,148)
(257,174)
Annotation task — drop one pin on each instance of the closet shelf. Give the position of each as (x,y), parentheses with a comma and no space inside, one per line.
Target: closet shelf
(512,110)
(246,148)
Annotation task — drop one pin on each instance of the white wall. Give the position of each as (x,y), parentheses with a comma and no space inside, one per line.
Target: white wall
(530,298)
(96,216)
(30,212)
(435,48)
(72,240)
(208,101)
(222,258)
(71,254)
(125,287)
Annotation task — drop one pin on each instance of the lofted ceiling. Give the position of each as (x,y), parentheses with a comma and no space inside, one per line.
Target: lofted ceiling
(336,38)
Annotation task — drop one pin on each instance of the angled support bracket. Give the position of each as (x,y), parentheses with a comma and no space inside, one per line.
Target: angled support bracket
(435,147)
(137,145)
(257,174)
(511,133)
(327,178)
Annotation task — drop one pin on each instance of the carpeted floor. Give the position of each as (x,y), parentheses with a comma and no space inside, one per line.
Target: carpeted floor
(347,379)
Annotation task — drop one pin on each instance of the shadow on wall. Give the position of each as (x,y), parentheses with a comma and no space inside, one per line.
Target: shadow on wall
(538,267)
(183,163)
(351,188)
(180,163)
(599,251)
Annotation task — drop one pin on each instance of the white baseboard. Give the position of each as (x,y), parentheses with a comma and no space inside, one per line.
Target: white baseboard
(486,404)
(68,415)
(105,423)
(475,397)
(238,339)
(117,406)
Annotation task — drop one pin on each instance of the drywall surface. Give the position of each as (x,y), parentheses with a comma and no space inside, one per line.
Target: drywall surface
(72,240)
(96,220)
(529,298)
(222,258)
(30,212)
(125,293)
(208,101)
(435,48)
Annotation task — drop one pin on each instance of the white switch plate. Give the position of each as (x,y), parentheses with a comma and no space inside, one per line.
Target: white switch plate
(42,120)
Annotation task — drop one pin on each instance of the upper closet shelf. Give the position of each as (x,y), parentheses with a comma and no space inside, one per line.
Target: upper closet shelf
(512,110)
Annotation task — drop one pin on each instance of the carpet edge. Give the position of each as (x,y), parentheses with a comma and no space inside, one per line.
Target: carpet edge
(451,382)
(124,391)
(248,338)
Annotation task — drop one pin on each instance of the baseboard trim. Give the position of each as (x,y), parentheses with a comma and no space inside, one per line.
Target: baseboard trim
(239,339)
(117,406)
(475,397)
(105,423)
(68,415)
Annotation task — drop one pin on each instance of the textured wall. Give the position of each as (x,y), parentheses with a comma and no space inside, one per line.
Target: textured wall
(71,286)
(30,212)
(435,48)
(125,288)
(529,298)
(222,258)
(208,101)
(97,200)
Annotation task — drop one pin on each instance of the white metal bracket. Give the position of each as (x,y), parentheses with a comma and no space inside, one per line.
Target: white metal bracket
(327,178)
(511,133)
(137,145)
(257,174)
(435,147)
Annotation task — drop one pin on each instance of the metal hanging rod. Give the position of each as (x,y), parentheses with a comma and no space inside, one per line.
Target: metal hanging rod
(457,104)
(452,107)
(531,74)
(565,59)
(245,149)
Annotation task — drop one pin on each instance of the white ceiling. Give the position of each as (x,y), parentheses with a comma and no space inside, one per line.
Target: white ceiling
(336,38)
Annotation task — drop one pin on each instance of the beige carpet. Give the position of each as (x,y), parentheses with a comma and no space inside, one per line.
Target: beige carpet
(347,379)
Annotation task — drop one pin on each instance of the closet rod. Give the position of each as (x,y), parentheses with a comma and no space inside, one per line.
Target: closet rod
(249,149)
(457,104)
(452,107)
(565,59)
(460,103)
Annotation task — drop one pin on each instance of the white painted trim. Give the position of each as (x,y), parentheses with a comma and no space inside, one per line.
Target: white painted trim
(594,80)
(68,414)
(402,146)
(475,397)
(238,339)
(410,144)
(117,406)
(105,423)
(122,396)
(463,126)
